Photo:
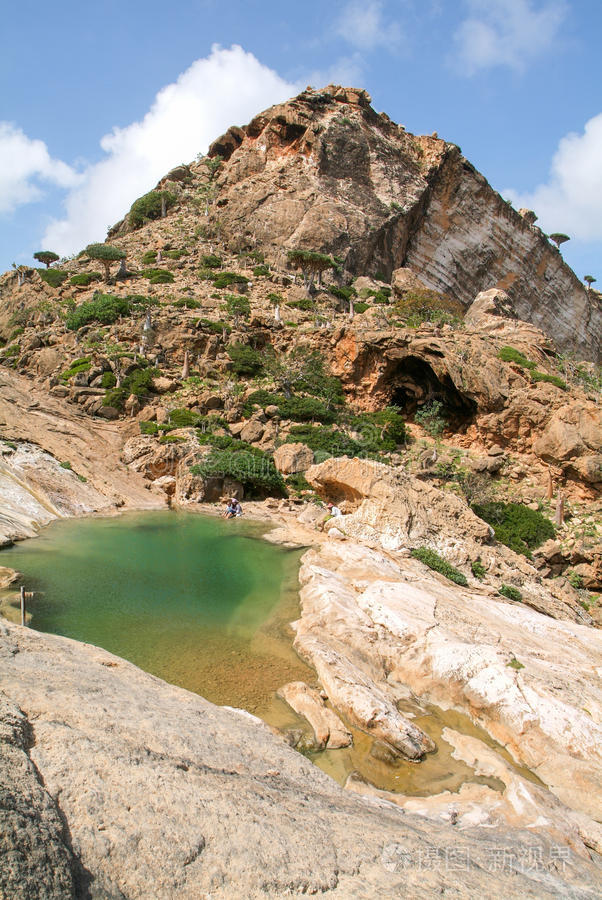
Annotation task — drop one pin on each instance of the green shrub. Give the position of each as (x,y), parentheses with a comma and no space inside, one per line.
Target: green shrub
(478,569)
(306,409)
(16,333)
(115,397)
(214,327)
(549,379)
(246,361)
(361,307)
(149,257)
(305,304)
(511,592)
(211,261)
(257,474)
(158,276)
(175,254)
(187,303)
(438,564)
(77,366)
(429,416)
(149,206)
(172,439)
(140,381)
(260,271)
(575,580)
(515,525)
(66,465)
(84,278)
(334,443)
(108,380)
(104,308)
(149,428)
(343,293)
(381,431)
(13,350)
(53,277)
(225,279)
(515,664)
(297,482)
(511,355)
(184,418)
(237,306)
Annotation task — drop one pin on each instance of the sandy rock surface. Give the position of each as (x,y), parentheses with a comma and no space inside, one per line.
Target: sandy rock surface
(161,794)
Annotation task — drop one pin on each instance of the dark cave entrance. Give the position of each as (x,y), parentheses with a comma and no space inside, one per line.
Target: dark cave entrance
(412,384)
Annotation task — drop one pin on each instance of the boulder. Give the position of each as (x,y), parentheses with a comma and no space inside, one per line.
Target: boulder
(405,280)
(493,302)
(291,458)
(328,729)
(252,431)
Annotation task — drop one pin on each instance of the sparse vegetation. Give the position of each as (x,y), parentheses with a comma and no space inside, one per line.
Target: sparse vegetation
(423,306)
(478,569)
(511,355)
(438,564)
(429,416)
(515,664)
(510,592)
(77,366)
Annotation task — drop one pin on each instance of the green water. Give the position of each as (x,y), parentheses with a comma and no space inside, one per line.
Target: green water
(206,604)
(200,602)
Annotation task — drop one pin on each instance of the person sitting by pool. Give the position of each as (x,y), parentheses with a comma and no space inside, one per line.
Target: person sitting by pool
(333,513)
(234,509)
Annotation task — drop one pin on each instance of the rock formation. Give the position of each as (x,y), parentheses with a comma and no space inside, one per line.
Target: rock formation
(136,786)
(325,172)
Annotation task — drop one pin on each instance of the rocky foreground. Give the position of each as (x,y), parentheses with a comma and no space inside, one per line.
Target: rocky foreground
(114,784)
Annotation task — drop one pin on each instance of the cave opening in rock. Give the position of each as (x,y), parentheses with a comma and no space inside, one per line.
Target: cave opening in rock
(413,383)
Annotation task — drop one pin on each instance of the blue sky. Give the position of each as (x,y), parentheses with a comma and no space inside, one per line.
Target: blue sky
(99,102)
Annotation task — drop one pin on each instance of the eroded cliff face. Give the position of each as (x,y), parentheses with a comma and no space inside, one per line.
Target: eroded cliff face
(325,172)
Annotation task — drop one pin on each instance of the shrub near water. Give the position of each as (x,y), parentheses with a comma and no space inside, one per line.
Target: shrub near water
(518,527)
(256,473)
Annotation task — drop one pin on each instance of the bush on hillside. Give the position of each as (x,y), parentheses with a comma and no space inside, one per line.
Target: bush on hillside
(225,279)
(425,306)
(83,279)
(246,361)
(438,564)
(515,525)
(158,276)
(53,277)
(150,206)
(257,474)
(103,308)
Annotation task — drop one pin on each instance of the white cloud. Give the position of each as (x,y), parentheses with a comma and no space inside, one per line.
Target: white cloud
(506,33)
(24,163)
(571,200)
(226,88)
(362,25)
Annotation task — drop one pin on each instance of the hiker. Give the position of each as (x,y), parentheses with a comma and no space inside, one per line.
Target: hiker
(333,513)
(234,509)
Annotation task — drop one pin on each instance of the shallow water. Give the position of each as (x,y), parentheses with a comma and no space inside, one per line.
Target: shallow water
(207,604)
(200,602)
